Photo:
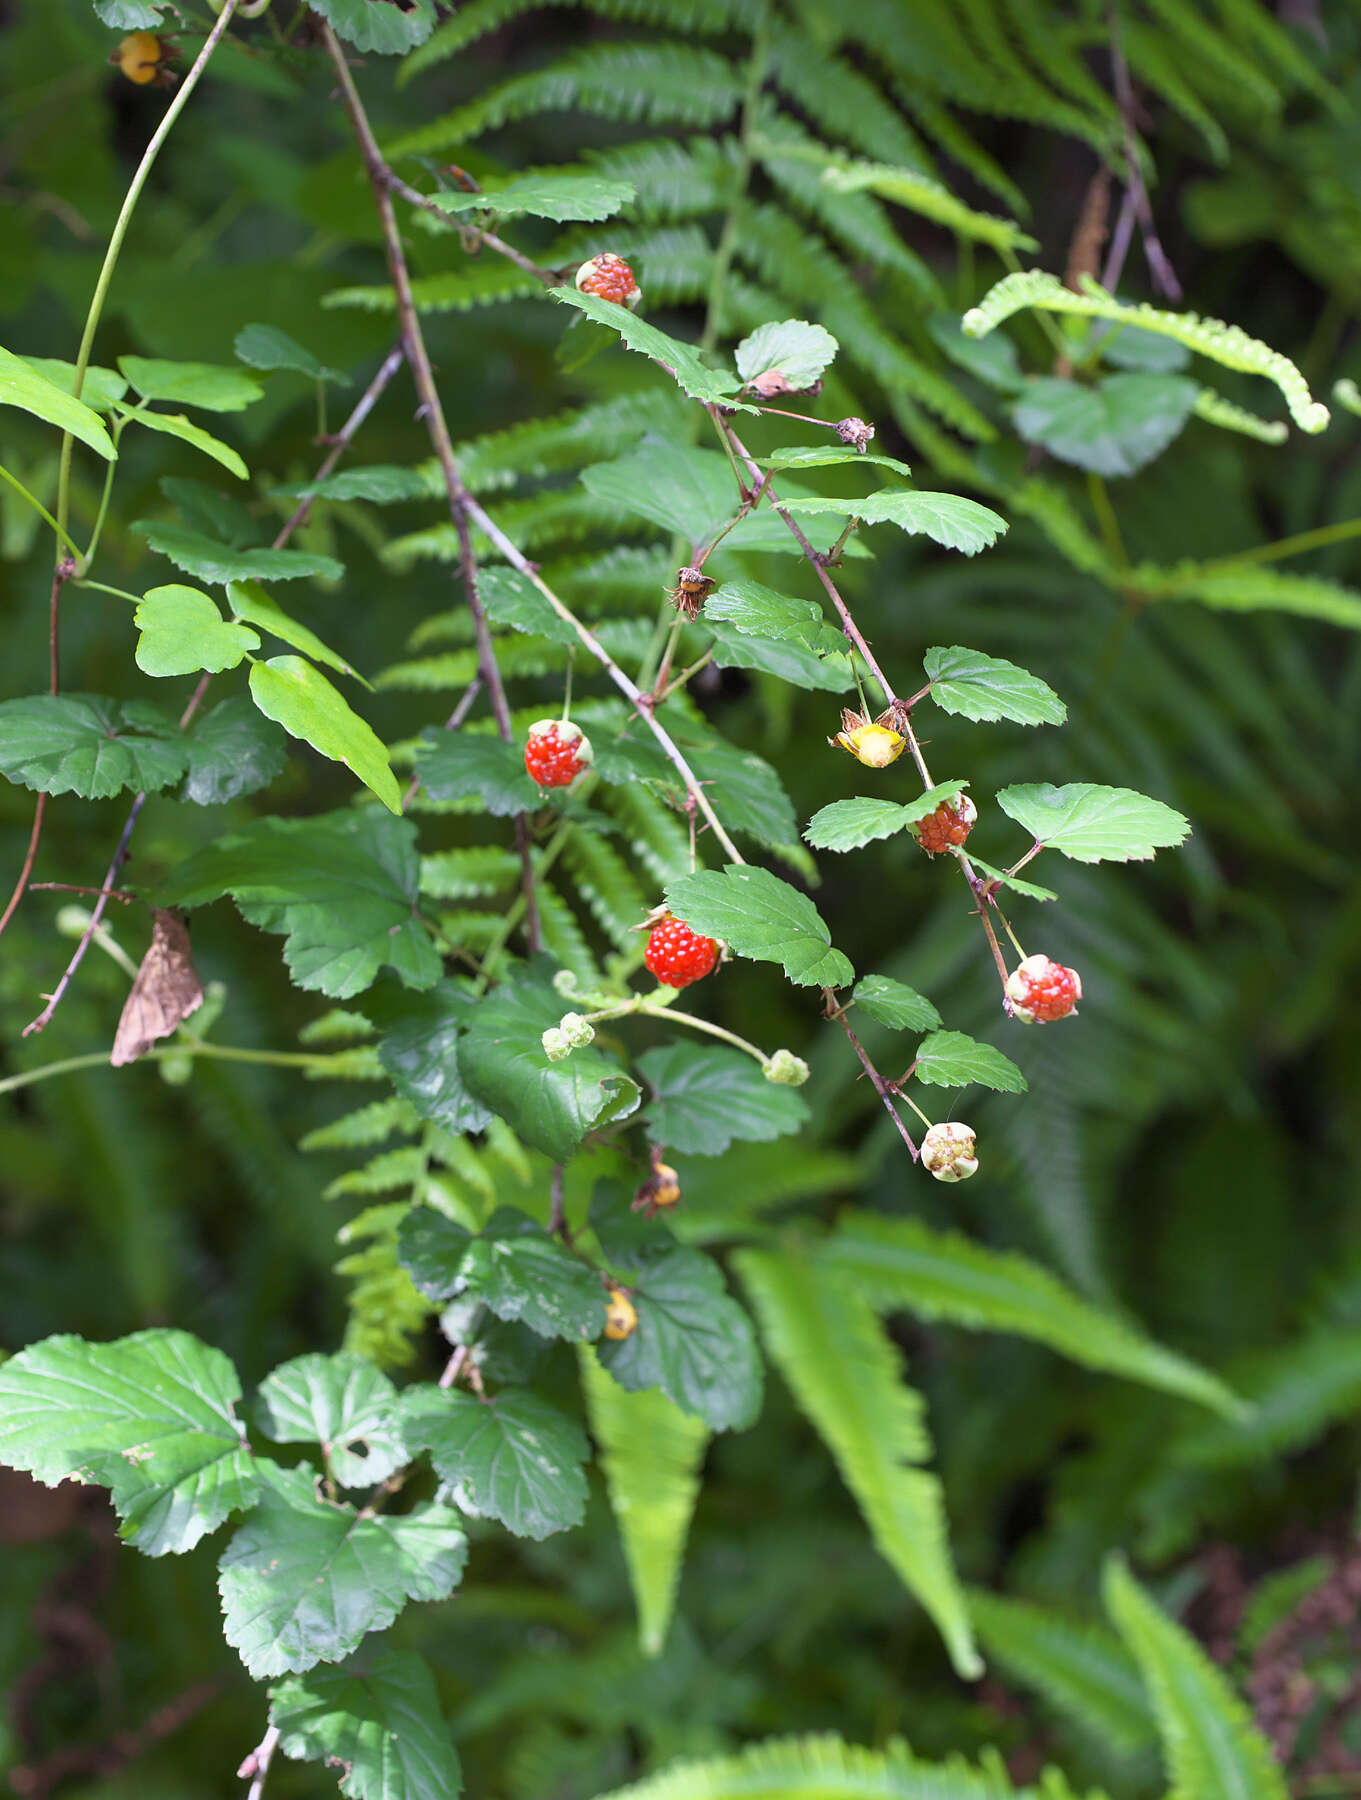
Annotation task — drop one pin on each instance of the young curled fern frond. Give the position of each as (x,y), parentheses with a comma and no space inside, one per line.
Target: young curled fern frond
(1216,410)
(1228,345)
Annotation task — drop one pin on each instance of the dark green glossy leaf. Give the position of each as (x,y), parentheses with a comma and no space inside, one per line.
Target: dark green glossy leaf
(233,750)
(462,765)
(704,1096)
(419,1050)
(88,745)
(513,1266)
(377,1718)
(341,1403)
(513,1457)
(758,915)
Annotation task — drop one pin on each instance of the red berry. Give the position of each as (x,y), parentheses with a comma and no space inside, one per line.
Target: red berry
(675,955)
(948,825)
(1041,991)
(609,277)
(556,752)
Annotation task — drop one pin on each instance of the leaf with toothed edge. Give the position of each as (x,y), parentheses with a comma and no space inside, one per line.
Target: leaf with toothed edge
(758,915)
(377,1717)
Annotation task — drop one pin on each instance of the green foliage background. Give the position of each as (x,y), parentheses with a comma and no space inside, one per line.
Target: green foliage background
(1187,1152)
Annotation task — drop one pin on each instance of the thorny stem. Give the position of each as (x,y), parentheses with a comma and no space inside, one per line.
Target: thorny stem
(433,412)
(881,1086)
(489,238)
(1136,202)
(78,954)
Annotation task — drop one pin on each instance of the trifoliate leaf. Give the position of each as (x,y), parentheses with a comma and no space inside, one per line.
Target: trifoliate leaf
(692,1340)
(551,1105)
(556,195)
(182,631)
(951,1059)
(512,1266)
(895,1004)
(1092,823)
(305,1580)
(99,390)
(377,1718)
(784,357)
(23,386)
(513,1457)
(216,563)
(461,765)
(300,698)
(704,1096)
(947,519)
(266,347)
(680,361)
(850,824)
(388,28)
(419,1050)
(233,750)
(343,887)
(987,687)
(149,1416)
(89,745)
(760,916)
(175,425)
(1115,428)
(192,384)
(249,601)
(342,1403)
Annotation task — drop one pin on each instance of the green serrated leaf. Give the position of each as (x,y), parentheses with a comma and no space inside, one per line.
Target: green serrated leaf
(217,563)
(830,673)
(1117,427)
(342,887)
(952,1059)
(704,1096)
(175,425)
(1091,823)
(817,456)
(89,745)
(760,916)
(692,1340)
(249,601)
(133,15)
(759,611)
(552,195)
(999,876)
(233,750)
(851,824)
(182,631)
(267,347)
(679,360)
(947,519)
(512,1266)
(376,1717)
(988,687)
(895,1004)
(459,765)
(341,1403)
(298,697)
(385,27)
(784,357)
(151,1417)
(31,392)
(207,385)
(512,599)
(512,1457)
(419,1050)
(305,1580)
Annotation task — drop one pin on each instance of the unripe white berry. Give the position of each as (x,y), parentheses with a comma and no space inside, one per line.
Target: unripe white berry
(947,1151)
(786,1069)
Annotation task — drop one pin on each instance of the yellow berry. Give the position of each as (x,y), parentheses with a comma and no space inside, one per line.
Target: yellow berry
(621,1316)
(139,56)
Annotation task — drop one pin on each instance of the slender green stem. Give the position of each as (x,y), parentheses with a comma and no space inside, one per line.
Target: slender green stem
(191,1046)
(120,231)
(679,681)
(102,587)
(908,1100)
(1106,519)
(648,1007)
(1295,545)
(84,562)
(38,507)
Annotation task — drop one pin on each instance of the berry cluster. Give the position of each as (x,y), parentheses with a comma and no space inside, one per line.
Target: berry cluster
(1040,990)
(556,752)
(675,954)
(948,826)
(609,277)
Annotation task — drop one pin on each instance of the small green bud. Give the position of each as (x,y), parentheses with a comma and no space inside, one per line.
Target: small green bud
(555,1045)
(786,1069)
(577,1029)
(565,983)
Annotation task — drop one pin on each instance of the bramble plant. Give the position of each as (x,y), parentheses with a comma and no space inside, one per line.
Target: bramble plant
(557,1105)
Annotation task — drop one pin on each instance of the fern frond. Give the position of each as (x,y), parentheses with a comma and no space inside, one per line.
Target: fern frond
(929,198)
(1236,82)
(672,262)
(1083,1670)
(1146,52)
(1252,587)
(381,1174)
(1228,345)
(660,84)
(940,123)
(650,1454)
(656,837)
(566,440)
(366,1125)
(1257,26)
(902,1262)
(1047,505)
(1211,1746)
(845,104)
(1216,410)
(440,674)
(338,1026)
(455,290)
(468,874)
(845,1374)
(1041,32)
(386,1310)
(563,938)
(607,884)
(822,1768)
(1297,1392)
(359,1064)
(672,181)
(553,515)
(624,572)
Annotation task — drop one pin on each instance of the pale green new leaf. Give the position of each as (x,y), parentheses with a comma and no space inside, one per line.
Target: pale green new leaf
(784,357)
(987,687)
(151,1417)
(249,601)
(213,388)
(760,916)
(555,194)
(376,1717)
(953,1059)
(851,824)
(650,1454)
(679,360)
(301,699)
(182,631)
(1091,823)
(1211,1746)
(895,1004)
(341,1403)
(900,1262)
(175,425)
(845,1374)
(22,386)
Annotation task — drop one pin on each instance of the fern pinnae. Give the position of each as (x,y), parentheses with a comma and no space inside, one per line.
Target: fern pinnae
(454,290)
(563,936)
(363,1126)
(607,884)
(845,104)
(1146,52)
(1213,62)
(1228,345)
(938,122)
(844,1372)
(1216,410)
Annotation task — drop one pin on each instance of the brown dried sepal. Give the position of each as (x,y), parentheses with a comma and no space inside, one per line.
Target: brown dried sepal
(167,990)
(772,382)
(693,587)
(856,433)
